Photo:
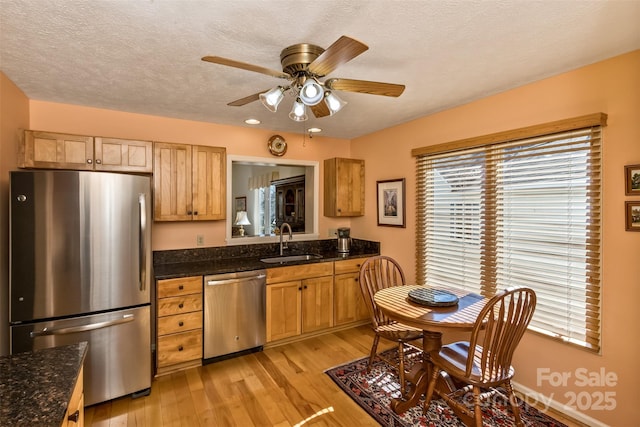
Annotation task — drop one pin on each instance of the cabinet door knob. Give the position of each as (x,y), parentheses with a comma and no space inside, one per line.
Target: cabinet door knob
(180,348)
(181,305)
(181,287)
(89,161)
(189,212)
(181,323)
(98,161)
(355,280)
(195,212)
(74,417)
(305,286)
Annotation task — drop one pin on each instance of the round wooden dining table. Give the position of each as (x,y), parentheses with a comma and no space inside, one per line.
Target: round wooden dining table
(434,321)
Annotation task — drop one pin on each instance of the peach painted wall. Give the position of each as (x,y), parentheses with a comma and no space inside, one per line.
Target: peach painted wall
(612,87)
(14,114)
(67,118)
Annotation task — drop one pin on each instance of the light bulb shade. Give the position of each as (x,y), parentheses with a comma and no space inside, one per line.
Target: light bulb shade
(298,112)
(334,103)
(311,92)
(241,218)
(272,98)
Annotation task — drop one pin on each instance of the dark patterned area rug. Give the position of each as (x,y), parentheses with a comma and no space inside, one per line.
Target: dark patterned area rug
(373,391)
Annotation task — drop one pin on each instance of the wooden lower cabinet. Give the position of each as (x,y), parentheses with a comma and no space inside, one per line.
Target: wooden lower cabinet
(296,307)
(349,305)
(284,310)
(317,304)
(179,324)
(75,411)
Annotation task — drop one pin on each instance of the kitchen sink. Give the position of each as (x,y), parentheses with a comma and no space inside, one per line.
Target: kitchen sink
(290,258)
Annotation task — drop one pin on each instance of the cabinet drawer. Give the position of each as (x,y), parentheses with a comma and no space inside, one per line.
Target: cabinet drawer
(297,272)
(177,348)
(178,305)
(179,323)
(179,286)
(349,265)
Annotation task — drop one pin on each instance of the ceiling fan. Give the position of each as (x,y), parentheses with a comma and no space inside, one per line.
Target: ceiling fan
(303,65)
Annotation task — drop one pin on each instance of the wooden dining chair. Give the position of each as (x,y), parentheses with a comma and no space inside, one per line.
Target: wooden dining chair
(376,273)
(484,362)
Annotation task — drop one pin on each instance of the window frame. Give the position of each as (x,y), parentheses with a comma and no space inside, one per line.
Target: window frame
(485,146)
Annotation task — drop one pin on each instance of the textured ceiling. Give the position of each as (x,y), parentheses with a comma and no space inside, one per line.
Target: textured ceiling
(144,55)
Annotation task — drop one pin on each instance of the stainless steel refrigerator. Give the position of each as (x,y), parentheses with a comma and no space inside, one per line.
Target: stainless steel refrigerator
(80,268)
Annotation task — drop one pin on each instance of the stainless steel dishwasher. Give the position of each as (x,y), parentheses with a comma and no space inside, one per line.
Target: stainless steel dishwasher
(234,312)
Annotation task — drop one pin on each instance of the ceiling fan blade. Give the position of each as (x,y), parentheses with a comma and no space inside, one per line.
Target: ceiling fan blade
(245,66)
(341,51)
(320,110)
(246,100)
(363,86)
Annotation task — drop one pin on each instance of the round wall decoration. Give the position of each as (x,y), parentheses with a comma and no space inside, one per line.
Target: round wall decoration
(277,145)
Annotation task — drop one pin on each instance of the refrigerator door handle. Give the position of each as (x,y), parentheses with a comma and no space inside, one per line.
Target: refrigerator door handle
(91,327)
(142,254)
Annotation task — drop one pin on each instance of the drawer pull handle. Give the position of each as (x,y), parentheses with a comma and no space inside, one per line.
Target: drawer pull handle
(180,348)
(181,305)
(181,323)
(74,417)
(181,287)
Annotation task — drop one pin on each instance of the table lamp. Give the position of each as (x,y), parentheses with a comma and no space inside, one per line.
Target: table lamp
(242,220)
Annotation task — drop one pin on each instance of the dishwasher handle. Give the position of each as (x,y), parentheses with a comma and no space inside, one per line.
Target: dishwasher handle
(235,280)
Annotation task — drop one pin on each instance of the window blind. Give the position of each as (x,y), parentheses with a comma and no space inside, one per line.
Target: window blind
(519,212)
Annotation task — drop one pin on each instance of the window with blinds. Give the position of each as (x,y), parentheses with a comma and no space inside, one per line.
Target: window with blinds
(518,212)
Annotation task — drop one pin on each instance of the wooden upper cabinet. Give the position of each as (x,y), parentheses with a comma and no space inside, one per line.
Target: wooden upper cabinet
(172,182)
(209,182)
(343,187)
(51,150)
(112,154)
(189,182)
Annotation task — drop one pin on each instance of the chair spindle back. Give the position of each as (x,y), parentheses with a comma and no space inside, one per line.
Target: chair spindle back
(376,273)
(498,329)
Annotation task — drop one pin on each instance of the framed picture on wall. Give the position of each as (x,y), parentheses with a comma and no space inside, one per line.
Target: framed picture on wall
(241,204)
(391,204)
(632,213)
(632,180)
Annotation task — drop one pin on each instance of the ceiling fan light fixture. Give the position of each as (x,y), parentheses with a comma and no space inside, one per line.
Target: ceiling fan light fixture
(311,92)
(272,98)
(298,112)
(334,103)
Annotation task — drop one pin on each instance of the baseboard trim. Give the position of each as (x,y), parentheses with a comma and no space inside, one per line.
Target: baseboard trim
(561,408)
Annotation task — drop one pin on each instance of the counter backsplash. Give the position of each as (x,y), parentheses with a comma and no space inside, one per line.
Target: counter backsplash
(259,250)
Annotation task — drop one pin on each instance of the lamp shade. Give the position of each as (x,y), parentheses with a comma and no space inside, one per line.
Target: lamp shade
(311,92)
(242,219)
(272,98)
(298,112)
(334,103)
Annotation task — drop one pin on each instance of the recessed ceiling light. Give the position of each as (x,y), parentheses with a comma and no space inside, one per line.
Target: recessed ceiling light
(314,130)
(252,121)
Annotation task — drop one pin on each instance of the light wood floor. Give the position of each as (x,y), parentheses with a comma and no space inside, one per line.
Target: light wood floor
(281,386)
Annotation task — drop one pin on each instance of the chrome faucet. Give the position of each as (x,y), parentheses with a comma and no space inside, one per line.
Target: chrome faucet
(282,233)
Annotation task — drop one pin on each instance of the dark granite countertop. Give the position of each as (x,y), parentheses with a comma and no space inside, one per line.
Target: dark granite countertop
(205,261)
(228,265)
(35,387)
